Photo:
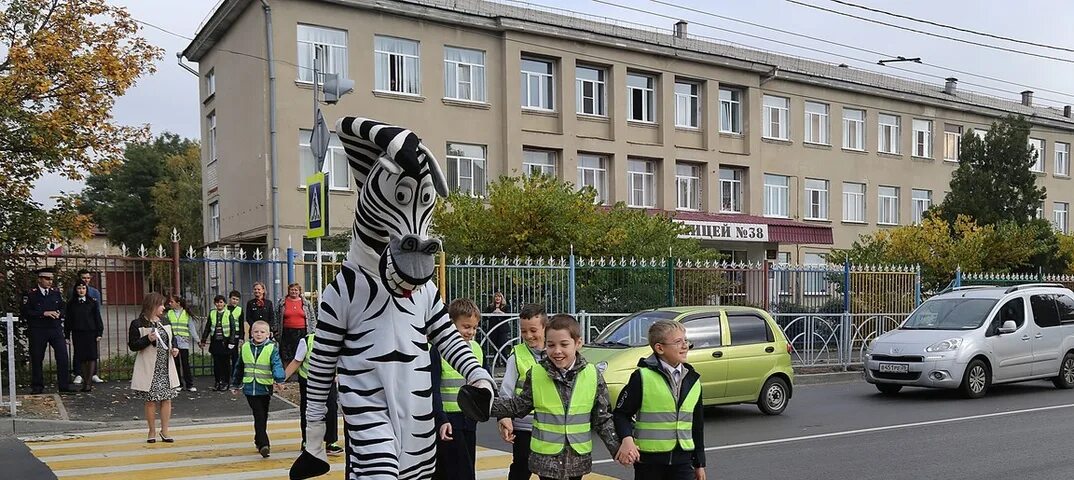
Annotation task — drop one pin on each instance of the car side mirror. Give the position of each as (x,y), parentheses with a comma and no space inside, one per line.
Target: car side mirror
(1008,327)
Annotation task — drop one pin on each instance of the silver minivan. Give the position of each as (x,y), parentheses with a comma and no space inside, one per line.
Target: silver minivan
(973,337)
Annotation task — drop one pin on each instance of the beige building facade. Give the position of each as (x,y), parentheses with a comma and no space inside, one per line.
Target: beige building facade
(765,156)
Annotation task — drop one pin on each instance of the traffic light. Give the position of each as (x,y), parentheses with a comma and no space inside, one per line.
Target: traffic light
(335,87)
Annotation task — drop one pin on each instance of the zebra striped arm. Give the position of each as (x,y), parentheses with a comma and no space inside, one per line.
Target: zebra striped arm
(446,339)
(327,345)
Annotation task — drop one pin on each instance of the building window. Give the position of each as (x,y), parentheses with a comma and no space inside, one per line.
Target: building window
(1038,147)
(210,83)
(980,133)
(593,172)
(537,84)
(730,110)
(464,74)
(731,189)
(783,276)
(777,198)
(816,192)
(336,159)
(1040,211)
(214,221)
(952,142)
(922,201)
(641,98)
(591,90)
(688,186)
(211,122)
(887,205)
(538,162)
(776,110)
(398,65)
(922,138)
(642,183)
(816,123)
(815,281)
(466,168)
(1062,158)
(854,202)
(853,129)
(687,104)
(889,133)
(1059,213)
(333,45)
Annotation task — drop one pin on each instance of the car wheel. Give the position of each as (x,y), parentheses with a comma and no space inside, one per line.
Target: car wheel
(888,388)
(1065,380)
(976,380)
(774,396)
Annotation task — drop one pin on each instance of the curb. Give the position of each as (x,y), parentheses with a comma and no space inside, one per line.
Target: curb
(828,378)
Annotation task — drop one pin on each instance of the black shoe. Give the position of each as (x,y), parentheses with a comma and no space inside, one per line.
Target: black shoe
(37,391)
(264,451)
(67,390)
(86,388)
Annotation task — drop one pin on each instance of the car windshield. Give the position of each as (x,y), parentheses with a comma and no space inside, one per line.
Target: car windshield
(632,331)
(950,314)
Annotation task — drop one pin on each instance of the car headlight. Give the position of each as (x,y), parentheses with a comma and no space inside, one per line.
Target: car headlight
(601,367)
(945,346)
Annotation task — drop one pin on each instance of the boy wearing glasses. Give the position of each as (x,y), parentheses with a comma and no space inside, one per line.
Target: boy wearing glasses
(659,415)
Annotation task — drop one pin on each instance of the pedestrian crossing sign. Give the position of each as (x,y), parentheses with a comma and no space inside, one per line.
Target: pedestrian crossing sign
(316,205)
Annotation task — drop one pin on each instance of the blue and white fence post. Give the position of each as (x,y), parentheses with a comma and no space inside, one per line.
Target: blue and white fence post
(572,298)
(290,265)
(845,333)
(917,286)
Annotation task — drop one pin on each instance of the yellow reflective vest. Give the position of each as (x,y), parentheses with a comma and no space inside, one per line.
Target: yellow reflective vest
(660,425)
(555,426)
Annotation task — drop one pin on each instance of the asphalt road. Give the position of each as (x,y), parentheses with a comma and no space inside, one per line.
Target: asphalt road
(849,431)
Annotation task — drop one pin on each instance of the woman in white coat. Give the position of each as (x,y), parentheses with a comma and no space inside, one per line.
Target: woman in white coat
(155,379)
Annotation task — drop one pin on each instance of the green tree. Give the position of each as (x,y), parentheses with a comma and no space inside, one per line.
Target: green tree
(176,199)
(993,183)
(121,200)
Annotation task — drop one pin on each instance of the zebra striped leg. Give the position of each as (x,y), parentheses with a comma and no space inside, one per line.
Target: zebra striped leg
(372,448)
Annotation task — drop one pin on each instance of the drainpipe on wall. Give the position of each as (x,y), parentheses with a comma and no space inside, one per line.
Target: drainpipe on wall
(272,142)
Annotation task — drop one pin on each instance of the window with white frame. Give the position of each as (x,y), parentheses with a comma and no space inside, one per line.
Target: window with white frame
(1040,211)
(464,74)
(777,198)
(922,201)
(641,179)
(688,186)
(687,104)
(593,172)
(591,90)
(783,276)
(641,98)
(815,281)
(730,110)
(731,189)
(853,202)
(210,121)
(466,168)
(816,123)
(537,84)
(952,142)
(538,162)
(888,133)
(336,159)
(853,129)
(922,138)
(214,221)
(333,44)
(1062,158)
(816,192)
(1060,213)
(398,65)
(887,206)
(210,83)
(1038,150)
(980,133)
(776,110)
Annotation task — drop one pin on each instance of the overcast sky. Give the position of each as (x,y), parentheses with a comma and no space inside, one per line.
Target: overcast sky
(167,100)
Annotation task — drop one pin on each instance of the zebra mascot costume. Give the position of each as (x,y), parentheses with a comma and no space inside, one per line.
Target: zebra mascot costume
(380,314)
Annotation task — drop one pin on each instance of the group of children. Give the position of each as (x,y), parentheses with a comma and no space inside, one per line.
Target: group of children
(552,402)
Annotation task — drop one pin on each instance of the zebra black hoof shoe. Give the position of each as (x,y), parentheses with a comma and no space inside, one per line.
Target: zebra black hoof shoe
(475,402)
(308,466)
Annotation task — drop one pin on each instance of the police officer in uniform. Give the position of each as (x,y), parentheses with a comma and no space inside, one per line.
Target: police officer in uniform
(43,310)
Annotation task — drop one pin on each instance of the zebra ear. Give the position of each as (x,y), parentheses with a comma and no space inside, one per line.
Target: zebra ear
(388,164)
(439,181)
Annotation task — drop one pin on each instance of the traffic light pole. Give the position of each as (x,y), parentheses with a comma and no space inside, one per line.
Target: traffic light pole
(318,161)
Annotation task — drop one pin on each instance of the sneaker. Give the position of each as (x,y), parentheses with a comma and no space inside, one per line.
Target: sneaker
(192,389)
(97,379)
(264,451)
(334,449)
(77,380)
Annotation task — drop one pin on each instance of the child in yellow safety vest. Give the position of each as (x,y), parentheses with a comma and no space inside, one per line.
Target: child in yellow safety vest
(222,334)
(524,356)
(259,371)
(185,331)
(659,414)
(561,444)
(301,364)
(456,449)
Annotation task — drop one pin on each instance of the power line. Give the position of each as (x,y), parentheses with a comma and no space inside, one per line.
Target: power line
(951,27)
(244,54)
(931,34)
(860,49)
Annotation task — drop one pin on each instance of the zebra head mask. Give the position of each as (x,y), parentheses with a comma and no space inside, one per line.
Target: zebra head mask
(398,182)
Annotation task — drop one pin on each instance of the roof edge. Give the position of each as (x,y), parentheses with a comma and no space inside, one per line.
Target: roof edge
(213,29)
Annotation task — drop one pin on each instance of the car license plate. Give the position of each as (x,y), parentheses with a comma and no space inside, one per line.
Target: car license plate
(894,367)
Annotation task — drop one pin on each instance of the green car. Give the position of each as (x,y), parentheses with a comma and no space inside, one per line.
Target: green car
(740,353)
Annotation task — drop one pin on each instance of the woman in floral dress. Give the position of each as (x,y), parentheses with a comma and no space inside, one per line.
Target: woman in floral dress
(155,379)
